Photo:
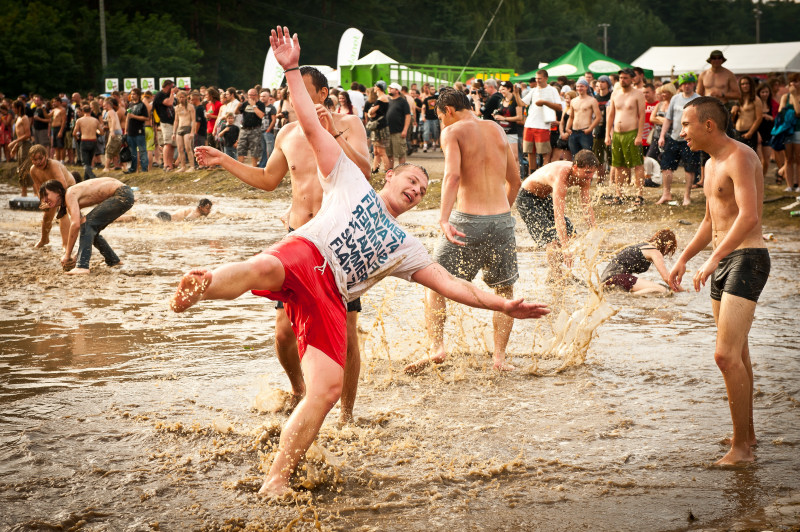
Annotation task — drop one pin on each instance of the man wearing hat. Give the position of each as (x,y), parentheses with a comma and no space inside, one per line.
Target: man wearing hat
(163,105)
(718,81)
(398,116)
(676,150)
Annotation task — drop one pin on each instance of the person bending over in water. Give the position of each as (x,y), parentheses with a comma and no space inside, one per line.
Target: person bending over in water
(542,201)
(112,197)
(352,243)
(202,210)
(739,263)
(637,259)
(44,169)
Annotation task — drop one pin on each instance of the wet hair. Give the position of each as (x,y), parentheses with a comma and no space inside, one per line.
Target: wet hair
(586,159)
(37,149)
(318,79)
(751,95)
(665,241)
(205,202)
(58,188)
(450,97)
(400,168)
(709,108)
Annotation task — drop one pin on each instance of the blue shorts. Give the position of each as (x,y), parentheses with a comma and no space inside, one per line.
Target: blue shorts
(678,152)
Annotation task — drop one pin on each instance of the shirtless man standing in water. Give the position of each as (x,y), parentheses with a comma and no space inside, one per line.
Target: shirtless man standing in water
(44,169)
(480,170)
(739,263)
(293,154)
(624,130)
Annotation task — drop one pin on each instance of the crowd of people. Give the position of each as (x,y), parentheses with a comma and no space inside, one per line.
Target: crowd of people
(344,236)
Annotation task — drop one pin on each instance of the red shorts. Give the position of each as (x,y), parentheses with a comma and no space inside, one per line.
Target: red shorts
(310,298)
(530,134)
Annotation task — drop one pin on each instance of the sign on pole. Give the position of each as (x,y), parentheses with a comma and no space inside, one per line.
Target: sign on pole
(130,83)
(184,83)
(112,84)
(148,84)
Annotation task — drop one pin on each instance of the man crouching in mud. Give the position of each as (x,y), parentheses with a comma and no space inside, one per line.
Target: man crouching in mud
(352,243)
(45,169)
(739,264)
(113,199)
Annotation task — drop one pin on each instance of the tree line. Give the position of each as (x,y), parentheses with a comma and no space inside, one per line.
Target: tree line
(50,46)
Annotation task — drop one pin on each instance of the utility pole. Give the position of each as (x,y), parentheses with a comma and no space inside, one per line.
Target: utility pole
(605,37)
(757,13)
(103,53)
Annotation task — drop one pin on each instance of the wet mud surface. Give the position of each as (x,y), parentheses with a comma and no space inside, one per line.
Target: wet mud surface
(120,415)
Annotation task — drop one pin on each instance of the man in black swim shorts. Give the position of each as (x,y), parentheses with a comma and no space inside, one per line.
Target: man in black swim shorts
(739,264)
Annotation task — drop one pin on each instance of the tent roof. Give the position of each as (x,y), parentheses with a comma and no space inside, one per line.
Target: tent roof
(577,61)
(741,58)
(375,57)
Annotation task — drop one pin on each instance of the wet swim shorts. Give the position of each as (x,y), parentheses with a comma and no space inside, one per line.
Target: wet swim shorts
(490,246)
(742,273)
(311,298)
(538,215)
(624,151)
(625,281)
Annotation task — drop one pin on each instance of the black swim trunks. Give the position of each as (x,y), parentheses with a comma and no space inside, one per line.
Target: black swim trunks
(742,273)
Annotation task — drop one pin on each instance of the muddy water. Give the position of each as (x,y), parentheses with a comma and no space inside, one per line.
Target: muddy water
(119,415)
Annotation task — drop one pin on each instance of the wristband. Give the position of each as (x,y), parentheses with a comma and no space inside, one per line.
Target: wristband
(290,69)
(339,134)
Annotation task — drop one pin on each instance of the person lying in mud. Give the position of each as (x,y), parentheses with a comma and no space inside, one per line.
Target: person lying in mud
(45,169)
(112,197)
(202,210)
(352,243)
(637,259)
(542,200)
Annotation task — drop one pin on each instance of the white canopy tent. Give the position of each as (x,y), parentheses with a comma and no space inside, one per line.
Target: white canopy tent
(741,58)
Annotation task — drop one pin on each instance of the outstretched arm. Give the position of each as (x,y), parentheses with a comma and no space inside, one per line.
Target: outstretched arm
(287,53)
(439,280)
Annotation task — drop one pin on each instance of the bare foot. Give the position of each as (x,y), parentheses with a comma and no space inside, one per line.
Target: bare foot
(42,242)
(728,441)
(275,491)
(190,290)
(422,363)
(502,366)
(663,199)
(687,202)
(78,271)
(735,457)
(346,418)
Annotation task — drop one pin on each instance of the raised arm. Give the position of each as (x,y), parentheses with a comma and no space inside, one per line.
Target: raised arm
(439,280)
(287,53)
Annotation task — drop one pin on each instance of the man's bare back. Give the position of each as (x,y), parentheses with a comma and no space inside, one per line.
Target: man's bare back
(87,127)
(482,154)
(543,181)
(93,191)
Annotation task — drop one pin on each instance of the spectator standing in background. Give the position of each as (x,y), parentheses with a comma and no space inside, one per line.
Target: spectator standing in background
(163,105)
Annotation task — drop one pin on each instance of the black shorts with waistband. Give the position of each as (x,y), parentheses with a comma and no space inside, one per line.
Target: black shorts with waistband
(742,273)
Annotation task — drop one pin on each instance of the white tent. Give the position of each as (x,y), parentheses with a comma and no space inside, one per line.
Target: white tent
(741,58)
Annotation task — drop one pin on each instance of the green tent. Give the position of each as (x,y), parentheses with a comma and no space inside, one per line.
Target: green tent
(577,61)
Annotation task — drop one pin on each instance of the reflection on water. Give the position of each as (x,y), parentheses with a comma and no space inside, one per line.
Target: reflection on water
(122,415)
